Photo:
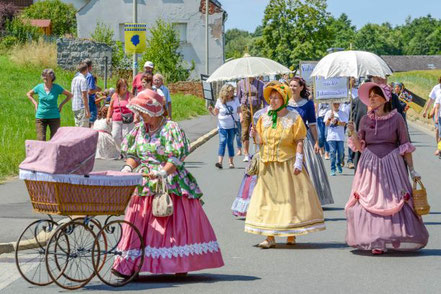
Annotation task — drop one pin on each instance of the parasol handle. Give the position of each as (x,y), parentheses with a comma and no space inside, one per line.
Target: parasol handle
(350,109)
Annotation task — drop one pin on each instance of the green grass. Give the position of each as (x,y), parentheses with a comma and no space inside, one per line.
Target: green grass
(421,82)
(17,115)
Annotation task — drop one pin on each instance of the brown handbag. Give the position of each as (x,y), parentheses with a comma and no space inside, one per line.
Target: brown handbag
(162,205)
(420,203)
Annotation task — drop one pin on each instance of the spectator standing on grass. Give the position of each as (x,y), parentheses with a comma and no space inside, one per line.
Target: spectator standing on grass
(118,107)
(80,100)
(137,84)
(93,89)
(47,109)
(227,109)
(250,95)
(336,120)
(436,91)
(158,84)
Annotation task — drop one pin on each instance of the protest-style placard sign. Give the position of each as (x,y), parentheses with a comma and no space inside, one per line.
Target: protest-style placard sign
(306,68)
(331,89)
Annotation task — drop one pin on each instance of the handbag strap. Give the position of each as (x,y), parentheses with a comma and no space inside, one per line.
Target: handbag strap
(415,182)
(161,186)
(230,112)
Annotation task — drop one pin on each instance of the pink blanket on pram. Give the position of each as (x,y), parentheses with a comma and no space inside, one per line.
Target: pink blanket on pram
(70,151)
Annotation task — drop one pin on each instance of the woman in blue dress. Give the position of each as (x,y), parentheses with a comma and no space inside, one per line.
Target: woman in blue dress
(313,161)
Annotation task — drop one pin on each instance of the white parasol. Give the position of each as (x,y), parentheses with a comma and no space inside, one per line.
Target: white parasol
(351,64)
(247,67)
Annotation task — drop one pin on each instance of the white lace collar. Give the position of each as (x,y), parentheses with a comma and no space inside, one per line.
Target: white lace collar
(293,103)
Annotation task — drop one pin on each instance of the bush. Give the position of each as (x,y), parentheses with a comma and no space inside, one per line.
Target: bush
(8,42)
(7,13)
(62,16)
(35,53)
(21,30)
(163,50)
(104,34)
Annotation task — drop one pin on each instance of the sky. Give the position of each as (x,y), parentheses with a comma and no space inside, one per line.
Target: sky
(248,14)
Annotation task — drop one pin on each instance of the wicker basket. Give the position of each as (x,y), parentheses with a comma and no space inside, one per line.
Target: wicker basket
(420,203)
(70,199)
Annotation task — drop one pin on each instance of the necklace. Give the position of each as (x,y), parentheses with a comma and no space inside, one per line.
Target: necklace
(152,131)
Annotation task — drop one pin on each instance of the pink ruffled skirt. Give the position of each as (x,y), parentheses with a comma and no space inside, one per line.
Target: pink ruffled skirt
(380,209)
(182,242)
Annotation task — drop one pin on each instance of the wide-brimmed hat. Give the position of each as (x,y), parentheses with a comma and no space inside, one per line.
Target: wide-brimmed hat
(149,102)
(363,91)
(282,88)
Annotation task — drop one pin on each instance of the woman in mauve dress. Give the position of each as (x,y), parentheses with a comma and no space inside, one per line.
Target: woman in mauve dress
(380,212)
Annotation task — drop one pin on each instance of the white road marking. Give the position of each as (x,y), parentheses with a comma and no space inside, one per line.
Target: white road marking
(8,270)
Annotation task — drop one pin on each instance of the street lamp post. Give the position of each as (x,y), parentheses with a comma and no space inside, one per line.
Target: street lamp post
(135,20)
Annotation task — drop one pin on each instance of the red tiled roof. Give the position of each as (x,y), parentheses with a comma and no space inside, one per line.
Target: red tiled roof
(42,23)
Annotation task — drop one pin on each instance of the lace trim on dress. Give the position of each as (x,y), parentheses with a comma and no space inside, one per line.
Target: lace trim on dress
(371,115)
(302,102)
(171,252)
(406,148)
(286,121)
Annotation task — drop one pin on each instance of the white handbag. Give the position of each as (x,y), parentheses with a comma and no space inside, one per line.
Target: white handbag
(162,205)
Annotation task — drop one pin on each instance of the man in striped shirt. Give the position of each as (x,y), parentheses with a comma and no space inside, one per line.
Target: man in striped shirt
(80,100)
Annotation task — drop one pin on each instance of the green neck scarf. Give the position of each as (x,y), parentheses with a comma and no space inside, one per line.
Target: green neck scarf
(273,114)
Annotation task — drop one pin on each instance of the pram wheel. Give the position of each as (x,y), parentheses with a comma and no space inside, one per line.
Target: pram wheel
(123,258)
(30,252)
(69,253)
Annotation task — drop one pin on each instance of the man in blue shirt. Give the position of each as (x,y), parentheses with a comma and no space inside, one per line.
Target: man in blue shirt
(158,83)
(93,89)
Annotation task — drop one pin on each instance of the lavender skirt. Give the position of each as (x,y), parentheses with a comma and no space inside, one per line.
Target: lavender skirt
(380,209)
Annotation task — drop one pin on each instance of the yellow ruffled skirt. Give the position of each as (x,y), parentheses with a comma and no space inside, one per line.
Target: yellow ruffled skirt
(283,204)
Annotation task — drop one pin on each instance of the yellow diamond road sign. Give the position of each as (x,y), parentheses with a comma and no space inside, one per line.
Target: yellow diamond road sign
(135,37)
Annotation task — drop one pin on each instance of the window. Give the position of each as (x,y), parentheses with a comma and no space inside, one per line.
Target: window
(181,28)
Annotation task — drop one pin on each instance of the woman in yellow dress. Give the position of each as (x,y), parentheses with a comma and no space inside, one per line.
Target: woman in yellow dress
(284,202)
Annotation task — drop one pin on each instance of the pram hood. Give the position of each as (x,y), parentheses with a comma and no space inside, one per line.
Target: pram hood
(70,151)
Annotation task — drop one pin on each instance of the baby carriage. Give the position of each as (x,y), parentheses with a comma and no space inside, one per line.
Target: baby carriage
(71,251)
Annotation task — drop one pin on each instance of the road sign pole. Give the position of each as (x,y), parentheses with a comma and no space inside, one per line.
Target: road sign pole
(135,56)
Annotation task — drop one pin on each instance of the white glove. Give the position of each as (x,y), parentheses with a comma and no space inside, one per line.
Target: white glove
(298,164)
(414,174)
(127,169)
(162,173)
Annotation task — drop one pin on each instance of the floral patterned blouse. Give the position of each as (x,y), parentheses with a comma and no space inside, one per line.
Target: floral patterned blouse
(152,152)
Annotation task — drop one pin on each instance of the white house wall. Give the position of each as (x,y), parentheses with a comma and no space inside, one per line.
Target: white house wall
(116,12)
(76,3)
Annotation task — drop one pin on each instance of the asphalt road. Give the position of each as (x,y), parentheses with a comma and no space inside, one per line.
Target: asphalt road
(319,263)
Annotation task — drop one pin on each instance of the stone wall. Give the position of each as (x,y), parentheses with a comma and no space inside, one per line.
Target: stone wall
(192,87)
(70,52)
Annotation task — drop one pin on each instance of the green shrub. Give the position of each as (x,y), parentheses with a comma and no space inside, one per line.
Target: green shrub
(104,34)
(163,50)
(8,42)
(62,16)
(21,30)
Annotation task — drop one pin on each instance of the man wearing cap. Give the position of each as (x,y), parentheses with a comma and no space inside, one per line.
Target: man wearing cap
(137,85)
(249,91)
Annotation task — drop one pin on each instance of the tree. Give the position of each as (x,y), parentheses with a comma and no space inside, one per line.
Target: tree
(295,30)
(7,13)
(415,34)
(62,16)
(343,31)
(163,50)
(237,43)
(379,39)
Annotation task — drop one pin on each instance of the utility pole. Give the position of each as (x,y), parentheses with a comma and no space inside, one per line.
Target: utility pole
(135,20)
(207,49)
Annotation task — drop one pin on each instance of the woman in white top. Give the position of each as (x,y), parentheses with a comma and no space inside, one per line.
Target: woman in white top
(227,110)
